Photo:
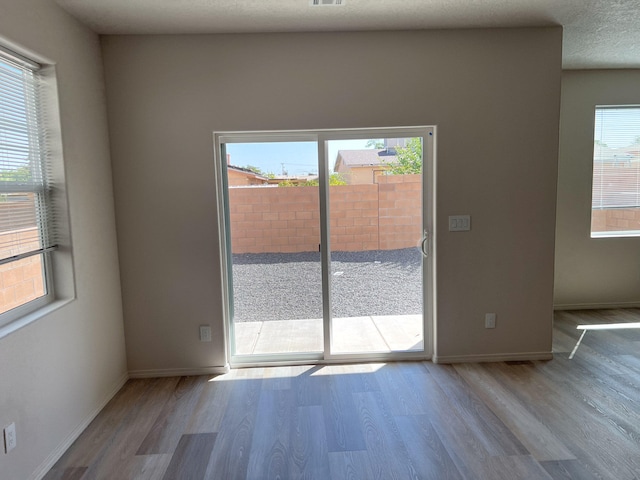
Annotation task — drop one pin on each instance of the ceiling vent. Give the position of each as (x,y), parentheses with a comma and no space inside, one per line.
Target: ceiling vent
(326,3)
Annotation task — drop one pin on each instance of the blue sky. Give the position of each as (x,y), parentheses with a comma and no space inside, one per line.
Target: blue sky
(297,158)
(617,127)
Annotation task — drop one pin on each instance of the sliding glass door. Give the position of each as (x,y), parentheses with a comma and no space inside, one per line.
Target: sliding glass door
(375,227)
(326,243)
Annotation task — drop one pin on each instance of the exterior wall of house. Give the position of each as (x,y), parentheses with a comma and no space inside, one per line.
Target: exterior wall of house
(360,175)
(242,179)
(486,90)
(591,272)
(365,175)
(345,172)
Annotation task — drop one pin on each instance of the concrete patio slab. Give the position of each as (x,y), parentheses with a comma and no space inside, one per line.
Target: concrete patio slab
(384,333)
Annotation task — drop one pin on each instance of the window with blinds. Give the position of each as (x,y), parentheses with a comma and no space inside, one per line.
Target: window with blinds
(26,235)
(615,200)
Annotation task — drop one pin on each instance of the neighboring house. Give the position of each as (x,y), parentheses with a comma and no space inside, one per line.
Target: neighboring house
(363,166)
(240,176)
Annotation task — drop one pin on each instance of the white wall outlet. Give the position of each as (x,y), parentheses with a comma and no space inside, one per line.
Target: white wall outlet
(459,223)
(490,320)
(10,440)
(205,333)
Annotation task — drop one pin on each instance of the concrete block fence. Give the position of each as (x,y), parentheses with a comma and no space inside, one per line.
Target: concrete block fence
(615,219)
(20,281)
(381,216)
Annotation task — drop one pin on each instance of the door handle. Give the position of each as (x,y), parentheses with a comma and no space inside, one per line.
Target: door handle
(425,243)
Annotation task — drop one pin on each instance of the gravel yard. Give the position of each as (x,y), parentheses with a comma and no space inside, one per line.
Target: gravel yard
(288,286)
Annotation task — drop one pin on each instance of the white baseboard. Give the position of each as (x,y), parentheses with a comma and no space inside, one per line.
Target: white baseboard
(179,372)
(595,306)
(51,460)
(492,357)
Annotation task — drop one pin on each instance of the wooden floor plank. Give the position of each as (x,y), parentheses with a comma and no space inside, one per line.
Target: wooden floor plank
(340,414)
(512,467)
(172,421)
(353,465)
(211,406)
(388,454)
(430,458)
(563,419)
(116,461)
(465,446)
(71,473)
(96,438)
(148,467)
(398,394)
(309,450)
(307,385)
(230,457)
(533,434)
(497,437)
(191,457)
(270,446)
(590,437)
(568,470)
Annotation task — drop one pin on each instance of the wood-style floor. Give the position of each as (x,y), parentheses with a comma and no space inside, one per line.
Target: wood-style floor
(561,419)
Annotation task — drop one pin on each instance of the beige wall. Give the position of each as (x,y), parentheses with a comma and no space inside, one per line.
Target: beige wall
(494,95)
(590,271)
(55,372)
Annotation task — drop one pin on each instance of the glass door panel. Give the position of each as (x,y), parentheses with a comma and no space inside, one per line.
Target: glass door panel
(273,225)
(375,232)
(324,243)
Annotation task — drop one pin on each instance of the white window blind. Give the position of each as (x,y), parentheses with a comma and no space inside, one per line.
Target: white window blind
(25,213)
(616,158)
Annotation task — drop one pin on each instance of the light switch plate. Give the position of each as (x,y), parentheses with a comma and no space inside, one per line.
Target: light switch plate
(490,320)
(459,223)
(10,438)
(205,333)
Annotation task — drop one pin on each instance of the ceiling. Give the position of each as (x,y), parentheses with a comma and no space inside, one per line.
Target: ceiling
(597,33)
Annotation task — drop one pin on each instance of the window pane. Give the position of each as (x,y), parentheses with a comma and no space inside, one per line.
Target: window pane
(616,172)
(18,225)
(24,210)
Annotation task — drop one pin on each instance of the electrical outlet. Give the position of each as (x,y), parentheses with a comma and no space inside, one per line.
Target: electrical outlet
(10,441)
(205,333)
(490,320)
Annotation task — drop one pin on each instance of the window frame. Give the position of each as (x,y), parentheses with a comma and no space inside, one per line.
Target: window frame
(26,312)
(599,234)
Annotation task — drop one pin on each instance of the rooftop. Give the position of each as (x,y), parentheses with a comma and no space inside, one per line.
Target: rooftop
(366,157)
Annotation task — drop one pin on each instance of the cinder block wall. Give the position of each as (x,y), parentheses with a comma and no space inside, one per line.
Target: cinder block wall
(381,216)
(400,211)
(21,281)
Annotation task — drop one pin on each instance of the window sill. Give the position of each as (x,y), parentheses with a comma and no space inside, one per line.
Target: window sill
(32,317)
(620,234)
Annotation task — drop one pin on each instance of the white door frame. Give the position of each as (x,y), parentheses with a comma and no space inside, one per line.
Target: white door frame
(321,137)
